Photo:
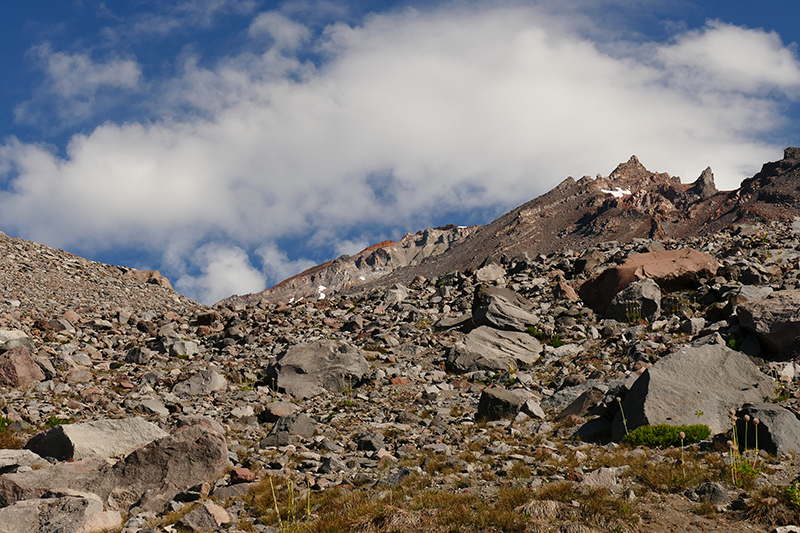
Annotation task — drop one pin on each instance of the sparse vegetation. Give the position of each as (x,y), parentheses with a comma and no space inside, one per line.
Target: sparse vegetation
(664,435)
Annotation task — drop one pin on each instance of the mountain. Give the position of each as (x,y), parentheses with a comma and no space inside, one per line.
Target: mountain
(455,403)
(631,202)
(367,265)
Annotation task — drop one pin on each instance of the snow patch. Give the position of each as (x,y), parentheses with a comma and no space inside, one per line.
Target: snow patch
(618,193)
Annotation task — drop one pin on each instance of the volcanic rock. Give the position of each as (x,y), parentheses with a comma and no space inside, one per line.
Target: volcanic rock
(310,369)
(710,378)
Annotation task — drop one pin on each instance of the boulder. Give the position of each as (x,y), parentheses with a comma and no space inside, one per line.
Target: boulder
(497,403)
(275,410)
(774,319)
(641,300)
(778,428)
(297,424)
(204,382)
(207,517)
(710,378)
(153,277)
(10,460)
(104,438)
(73,512)
(671,269)
(485,348)
(312,368)
(18,369)
(501,308)
(145,479)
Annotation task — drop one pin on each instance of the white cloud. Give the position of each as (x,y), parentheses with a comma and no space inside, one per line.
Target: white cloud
(285,33)
(731,58)
(73,83)
(225,270)
(277,265)
(185,14)
(410,115)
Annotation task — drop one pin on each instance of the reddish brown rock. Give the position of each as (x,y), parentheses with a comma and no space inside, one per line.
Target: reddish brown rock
(242,475)
(153,277)
(18,369)
(671,269)
(399,381)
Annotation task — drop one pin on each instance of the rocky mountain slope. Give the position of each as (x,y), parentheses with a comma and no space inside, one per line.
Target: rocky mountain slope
(631,202)
(369,264)
(491,399)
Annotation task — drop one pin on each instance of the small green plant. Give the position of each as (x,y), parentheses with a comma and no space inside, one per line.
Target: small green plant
(698,414)
(664,435)
(54,421)
(633,311)
(793,493)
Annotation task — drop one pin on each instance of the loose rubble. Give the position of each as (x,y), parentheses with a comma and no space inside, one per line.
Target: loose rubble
(474,383)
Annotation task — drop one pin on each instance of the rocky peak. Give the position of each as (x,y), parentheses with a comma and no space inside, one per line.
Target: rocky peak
(704,185)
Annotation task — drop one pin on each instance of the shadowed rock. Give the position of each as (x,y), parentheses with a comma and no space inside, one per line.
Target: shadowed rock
(312,368)
(711,378)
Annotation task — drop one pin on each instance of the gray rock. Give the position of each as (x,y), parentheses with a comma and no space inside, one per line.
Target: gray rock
(693,326)
(501,308)
(713,493)
(10,460)
(73,512)
(711,378)
(775,319)
(145,479)
(704,185)
(778,429)
(641,300)
(183,347)
(204,382)
(485,348)
(104,438)
(206,517)
(312,368)
(754,292)
(139,355)
(497,403)
(274,410)
(297,424)
(371,442)
(154,406)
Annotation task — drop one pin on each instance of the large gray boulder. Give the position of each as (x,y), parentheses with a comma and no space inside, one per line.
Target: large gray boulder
(485,348)
(73,512)
(105,438)
(774,319)
(641,300)
(145,479)
(501,308)
(204,382)
(313,368)
(710,378)
(778,428)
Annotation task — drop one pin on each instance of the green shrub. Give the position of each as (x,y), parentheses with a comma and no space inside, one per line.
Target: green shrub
(664,435)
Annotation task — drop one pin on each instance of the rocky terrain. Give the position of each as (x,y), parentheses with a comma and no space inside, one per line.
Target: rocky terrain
(499,397)
(369,264)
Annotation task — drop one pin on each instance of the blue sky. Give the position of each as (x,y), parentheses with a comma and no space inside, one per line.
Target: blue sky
(233,143)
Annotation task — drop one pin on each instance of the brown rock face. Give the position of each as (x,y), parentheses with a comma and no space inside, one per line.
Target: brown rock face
(18,369)
(153,277)
(671,269)
(632,202)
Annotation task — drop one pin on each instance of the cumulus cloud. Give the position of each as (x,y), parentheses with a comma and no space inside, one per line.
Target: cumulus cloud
(75,84)
(224,270)
(409,115)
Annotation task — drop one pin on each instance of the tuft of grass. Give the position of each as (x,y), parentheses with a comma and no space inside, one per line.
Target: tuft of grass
(8,438)
(664,435)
